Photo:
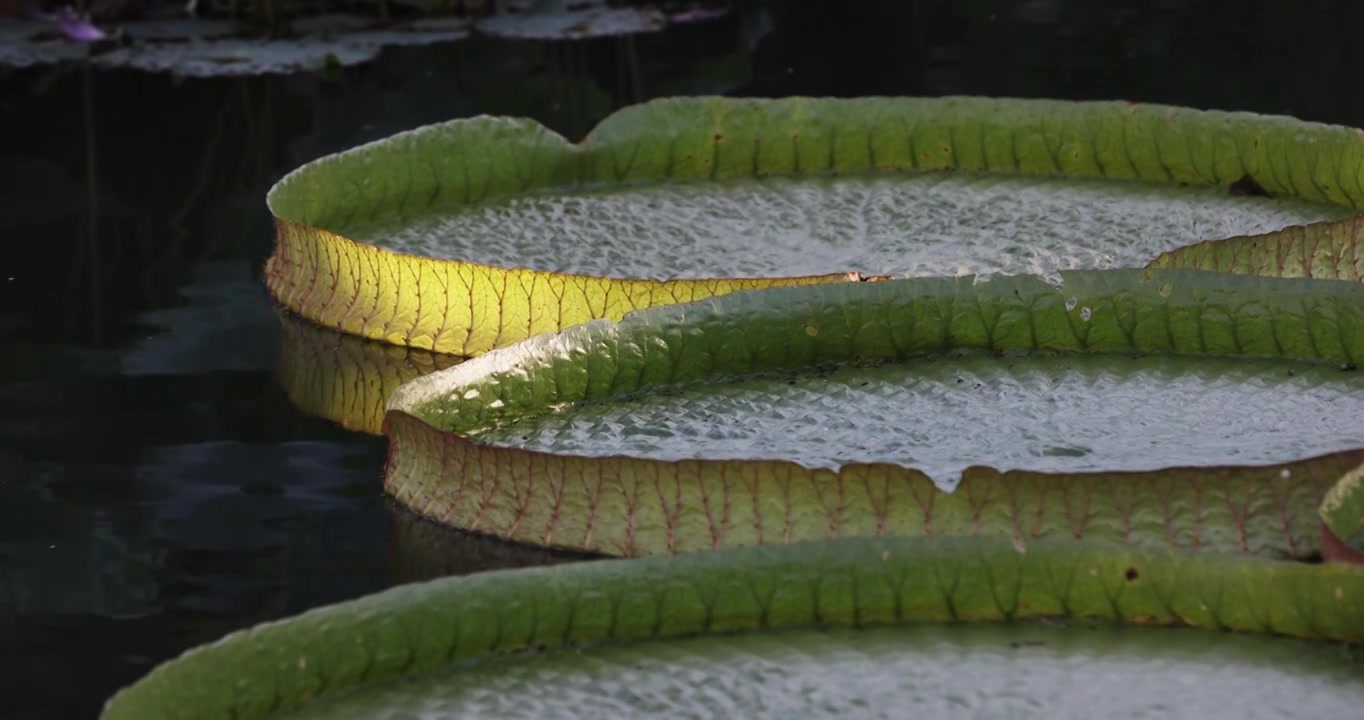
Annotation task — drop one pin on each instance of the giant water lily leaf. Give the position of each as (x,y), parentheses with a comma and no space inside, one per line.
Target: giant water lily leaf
(473,234)
(853,582)
(344,378)
(619,502)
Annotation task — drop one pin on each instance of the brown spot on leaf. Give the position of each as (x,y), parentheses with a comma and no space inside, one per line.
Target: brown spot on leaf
(1247,186)
(1131,574)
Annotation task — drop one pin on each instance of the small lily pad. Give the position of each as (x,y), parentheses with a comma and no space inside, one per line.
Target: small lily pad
(331,24)
(696,14)
(426,31)
(25,43)
(591,22)
(180,29)
(211,48)
(235,56)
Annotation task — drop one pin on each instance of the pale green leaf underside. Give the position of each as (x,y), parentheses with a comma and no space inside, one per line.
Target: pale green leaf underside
(1072,414)
(922,224)
(929,671)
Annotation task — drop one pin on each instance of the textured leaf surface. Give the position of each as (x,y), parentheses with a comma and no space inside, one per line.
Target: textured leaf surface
(934,223)
(1077,413)
(859,582)
(1329,250)
(937,671)
(630,505)
(467,308)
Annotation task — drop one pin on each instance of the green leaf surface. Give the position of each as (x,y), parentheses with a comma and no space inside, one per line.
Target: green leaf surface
(855,582)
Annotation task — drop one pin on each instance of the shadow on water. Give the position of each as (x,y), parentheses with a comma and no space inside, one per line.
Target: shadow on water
(158,488)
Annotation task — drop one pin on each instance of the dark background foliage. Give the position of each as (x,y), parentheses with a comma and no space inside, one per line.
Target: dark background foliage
(157,488)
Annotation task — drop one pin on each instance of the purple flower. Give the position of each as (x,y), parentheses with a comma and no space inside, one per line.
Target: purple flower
(73,26)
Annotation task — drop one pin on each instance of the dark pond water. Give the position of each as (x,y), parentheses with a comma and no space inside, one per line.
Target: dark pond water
(158,488)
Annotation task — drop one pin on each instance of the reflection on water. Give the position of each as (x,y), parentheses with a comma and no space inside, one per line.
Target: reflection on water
(424,550)
(72,559)
(346,378)
(157,486)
